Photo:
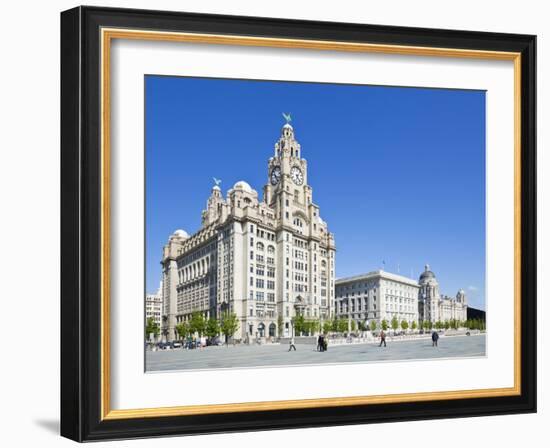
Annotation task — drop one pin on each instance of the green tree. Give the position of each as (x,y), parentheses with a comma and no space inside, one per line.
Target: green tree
(151,327)
(334,324)
(353,325)
(342,325)
(212,328)
(315,326)
(446,325)
(197,323)
(306,329)
(182,329)
(327,327)
(414,325)
(361,326)
(299,325)
(384,324)
(372,325)
(229,325)
(280,325)
(394,323)
(438,325)
(427,325)
(404,325)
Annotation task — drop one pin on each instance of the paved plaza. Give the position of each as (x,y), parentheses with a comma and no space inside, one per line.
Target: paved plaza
(278,355)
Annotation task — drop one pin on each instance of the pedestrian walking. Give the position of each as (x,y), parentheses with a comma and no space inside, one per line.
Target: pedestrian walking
(322,343)
(292,346)
(435,337)
(319,343)
(382,338)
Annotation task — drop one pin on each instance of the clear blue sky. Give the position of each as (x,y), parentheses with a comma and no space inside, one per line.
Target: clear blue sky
(398,173)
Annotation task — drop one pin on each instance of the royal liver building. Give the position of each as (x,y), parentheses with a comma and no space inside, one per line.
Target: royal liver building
(265,260)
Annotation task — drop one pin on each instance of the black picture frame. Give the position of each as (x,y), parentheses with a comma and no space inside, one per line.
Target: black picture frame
(81,224)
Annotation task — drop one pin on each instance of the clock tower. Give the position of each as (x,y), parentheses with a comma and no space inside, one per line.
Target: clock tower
(305,247)
(287,176)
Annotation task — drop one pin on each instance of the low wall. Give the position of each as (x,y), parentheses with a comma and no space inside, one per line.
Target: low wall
(302,340)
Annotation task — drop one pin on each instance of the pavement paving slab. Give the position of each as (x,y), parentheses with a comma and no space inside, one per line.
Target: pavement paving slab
(274,355)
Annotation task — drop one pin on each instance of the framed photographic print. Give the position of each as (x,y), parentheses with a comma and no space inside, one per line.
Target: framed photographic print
(273,223)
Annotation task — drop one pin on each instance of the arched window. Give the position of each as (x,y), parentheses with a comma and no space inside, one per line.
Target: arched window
(270,249)
(260,246)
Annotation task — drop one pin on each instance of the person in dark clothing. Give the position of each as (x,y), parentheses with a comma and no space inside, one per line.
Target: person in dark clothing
(320,343)
(382,338)
(435,337)
(291,345)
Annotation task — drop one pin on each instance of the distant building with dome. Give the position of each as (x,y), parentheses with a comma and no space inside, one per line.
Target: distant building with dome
(266,260)
(381,295)
(434,307)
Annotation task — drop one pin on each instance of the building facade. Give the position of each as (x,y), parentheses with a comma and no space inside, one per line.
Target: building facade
(265,260)
(380,295)
(376,296)
(153,306)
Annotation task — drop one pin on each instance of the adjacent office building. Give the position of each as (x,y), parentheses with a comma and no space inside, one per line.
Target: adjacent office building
(153,306)
(381,295)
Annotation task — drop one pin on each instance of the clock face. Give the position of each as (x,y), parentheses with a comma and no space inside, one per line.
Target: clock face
(275,175)
(296,175)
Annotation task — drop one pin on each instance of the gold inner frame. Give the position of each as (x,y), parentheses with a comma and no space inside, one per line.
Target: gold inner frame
(107,35)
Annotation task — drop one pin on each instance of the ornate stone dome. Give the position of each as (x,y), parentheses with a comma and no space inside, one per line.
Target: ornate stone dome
(242,185)
(426,275)
(181,233)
